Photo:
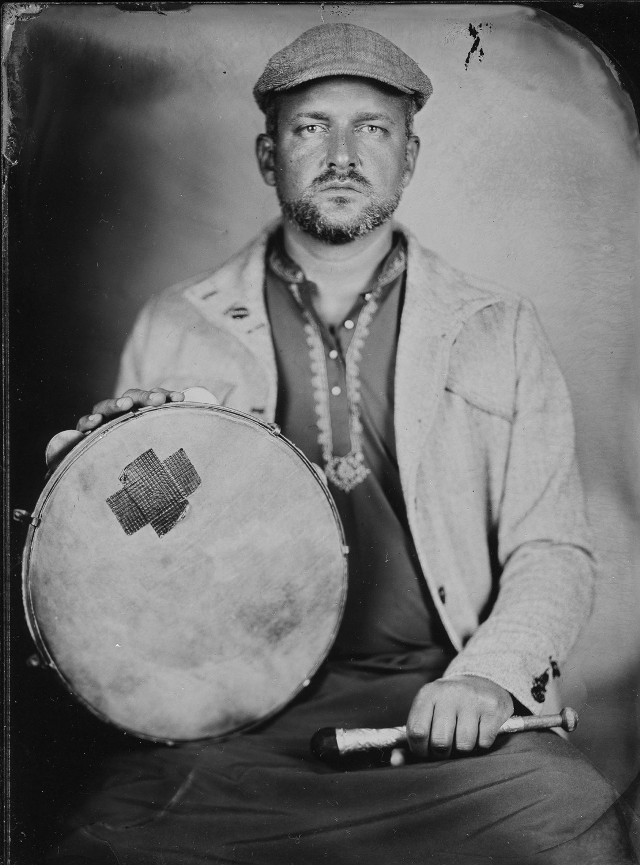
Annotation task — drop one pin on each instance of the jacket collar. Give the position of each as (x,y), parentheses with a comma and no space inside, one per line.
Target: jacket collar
(233,294)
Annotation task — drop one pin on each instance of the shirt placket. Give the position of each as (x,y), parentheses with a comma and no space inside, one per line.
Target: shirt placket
(336,341)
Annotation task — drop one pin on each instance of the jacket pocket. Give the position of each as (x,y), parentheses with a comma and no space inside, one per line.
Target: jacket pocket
(491,398)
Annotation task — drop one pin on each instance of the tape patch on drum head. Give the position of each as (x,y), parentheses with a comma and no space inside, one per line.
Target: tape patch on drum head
(154,492)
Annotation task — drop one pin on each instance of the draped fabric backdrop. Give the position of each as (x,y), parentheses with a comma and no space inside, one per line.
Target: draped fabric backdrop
(135,168)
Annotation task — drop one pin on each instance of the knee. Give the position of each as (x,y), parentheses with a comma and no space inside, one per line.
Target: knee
(607,840)
(567,795)
(572,785)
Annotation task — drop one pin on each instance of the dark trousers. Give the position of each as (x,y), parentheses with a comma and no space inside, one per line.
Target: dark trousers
(261,798)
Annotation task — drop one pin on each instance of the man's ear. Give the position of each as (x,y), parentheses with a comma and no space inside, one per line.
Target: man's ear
(265,153)
(411,157)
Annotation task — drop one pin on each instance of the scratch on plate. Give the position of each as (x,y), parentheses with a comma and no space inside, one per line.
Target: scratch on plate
(475,33)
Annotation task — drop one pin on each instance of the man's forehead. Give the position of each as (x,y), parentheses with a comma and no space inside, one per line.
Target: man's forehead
(341,94)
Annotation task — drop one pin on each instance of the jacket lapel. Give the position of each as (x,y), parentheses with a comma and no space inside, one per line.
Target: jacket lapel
(438,301)
(232,299)
(421,365)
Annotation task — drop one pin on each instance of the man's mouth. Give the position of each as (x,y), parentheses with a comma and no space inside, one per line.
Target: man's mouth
(334,183)
(338,186)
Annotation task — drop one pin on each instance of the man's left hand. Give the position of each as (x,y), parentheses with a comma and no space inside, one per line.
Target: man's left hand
(461,714)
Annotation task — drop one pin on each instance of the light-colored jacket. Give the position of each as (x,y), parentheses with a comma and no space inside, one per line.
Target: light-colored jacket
(484,438)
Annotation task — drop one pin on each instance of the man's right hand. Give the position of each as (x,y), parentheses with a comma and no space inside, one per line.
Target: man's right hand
(103,411)
(134,398)
(108,409)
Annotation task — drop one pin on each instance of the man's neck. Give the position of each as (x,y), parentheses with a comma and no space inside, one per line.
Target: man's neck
(340,271)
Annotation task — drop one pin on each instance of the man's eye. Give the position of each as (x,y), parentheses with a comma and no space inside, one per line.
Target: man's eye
(310,129)
(371,129)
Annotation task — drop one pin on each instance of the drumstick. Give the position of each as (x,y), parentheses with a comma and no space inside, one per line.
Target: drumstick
(331,742)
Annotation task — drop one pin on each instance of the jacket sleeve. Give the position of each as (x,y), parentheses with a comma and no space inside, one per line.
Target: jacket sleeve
(546,583)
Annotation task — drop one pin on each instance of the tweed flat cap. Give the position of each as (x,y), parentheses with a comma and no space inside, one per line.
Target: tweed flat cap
(342,49)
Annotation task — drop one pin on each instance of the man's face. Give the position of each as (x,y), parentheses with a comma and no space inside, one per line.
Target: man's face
(341,158)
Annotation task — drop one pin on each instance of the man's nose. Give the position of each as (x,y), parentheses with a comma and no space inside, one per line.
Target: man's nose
(342,151)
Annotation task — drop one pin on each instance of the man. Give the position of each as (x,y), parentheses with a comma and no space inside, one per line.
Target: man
(434,406)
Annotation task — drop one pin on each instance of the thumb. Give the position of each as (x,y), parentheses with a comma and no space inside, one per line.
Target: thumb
(60,445)
(200,394)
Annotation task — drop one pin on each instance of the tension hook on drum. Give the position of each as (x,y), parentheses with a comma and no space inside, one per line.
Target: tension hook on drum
(22,516)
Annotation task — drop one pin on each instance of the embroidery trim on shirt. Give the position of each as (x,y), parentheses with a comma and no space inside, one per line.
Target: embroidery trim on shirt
(344,472)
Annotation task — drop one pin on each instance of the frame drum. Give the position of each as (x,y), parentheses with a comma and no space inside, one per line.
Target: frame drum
(185,571)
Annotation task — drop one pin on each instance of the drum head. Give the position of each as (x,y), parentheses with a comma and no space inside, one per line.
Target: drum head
(185,572)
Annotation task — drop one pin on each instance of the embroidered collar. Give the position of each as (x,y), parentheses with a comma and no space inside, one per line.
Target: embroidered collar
(280,263)
(348,470)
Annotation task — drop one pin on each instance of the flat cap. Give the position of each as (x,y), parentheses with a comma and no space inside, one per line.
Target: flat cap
(342,49)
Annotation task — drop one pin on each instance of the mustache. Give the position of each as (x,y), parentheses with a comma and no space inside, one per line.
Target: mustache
(331,174)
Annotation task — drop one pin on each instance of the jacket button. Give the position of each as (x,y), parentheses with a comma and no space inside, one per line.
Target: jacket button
(237,311)
(442,594)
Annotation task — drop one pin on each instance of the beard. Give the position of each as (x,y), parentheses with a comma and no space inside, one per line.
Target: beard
(308,216)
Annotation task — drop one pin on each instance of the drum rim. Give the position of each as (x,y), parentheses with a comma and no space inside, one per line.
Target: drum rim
(79,449)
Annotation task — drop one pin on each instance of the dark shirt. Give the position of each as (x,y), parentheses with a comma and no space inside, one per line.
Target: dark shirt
(388,609)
